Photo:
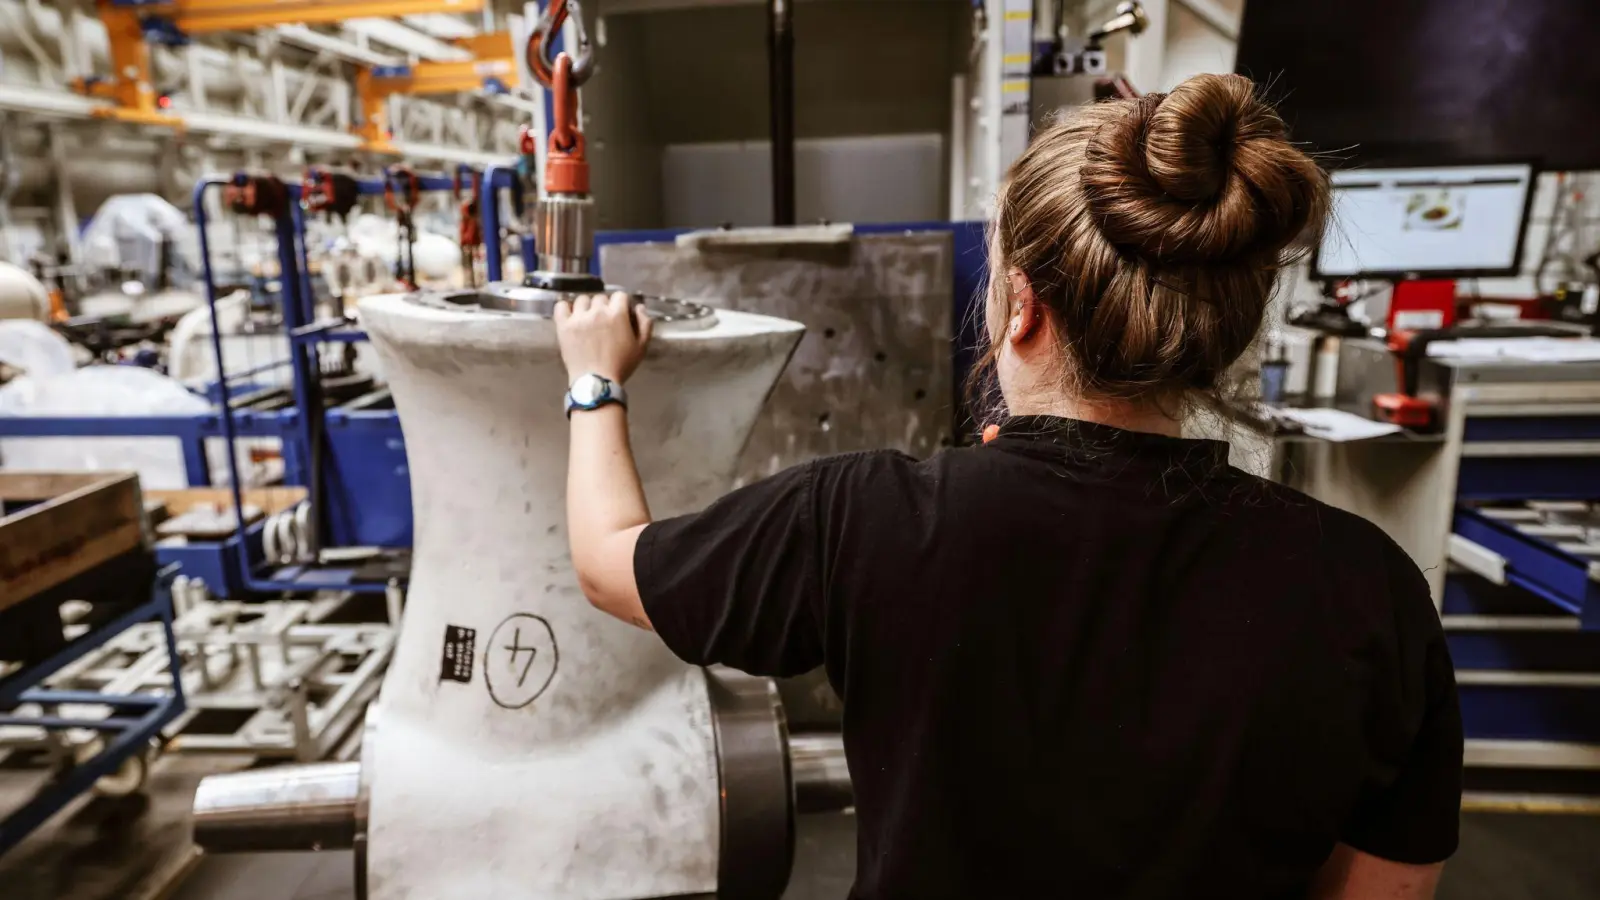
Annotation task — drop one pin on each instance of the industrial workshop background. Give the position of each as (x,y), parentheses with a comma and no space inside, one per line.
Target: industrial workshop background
(243,243)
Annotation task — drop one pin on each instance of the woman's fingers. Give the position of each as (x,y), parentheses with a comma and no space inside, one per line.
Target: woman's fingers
(644,324)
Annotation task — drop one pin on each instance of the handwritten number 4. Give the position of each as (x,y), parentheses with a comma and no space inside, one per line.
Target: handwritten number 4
(516,647)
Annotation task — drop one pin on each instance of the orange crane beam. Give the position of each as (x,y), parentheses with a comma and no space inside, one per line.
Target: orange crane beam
(130,87)
(494,69)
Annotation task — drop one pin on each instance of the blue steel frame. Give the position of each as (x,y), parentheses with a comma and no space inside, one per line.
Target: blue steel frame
(191,432)
(496,179)
(305,335)
(135,719)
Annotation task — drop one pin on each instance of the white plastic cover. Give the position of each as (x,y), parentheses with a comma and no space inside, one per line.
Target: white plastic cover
(127,231)
(100,391)
(34,349)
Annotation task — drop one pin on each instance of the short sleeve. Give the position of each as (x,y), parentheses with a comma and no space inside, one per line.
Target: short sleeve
(737,583)
(1416,818)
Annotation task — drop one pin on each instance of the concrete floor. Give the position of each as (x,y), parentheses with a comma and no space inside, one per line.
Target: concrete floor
(1502,857)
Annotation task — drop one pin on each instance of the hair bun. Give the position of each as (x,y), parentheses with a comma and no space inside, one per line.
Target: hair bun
(1205,174)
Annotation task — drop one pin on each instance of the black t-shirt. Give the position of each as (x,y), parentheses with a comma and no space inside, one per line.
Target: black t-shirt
(1084,662)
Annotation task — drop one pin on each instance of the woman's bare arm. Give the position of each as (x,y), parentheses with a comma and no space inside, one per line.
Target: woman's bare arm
(1350,874)
(606,510)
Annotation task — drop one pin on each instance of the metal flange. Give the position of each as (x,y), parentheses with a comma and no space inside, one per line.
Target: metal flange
(505,296)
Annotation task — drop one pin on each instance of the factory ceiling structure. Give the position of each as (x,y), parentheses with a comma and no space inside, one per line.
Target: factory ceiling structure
(230,75)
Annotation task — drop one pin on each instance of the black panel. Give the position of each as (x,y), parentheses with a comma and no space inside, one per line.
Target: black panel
(1432,82)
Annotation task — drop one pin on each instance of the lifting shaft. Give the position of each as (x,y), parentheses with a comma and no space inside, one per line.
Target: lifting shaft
(564,218)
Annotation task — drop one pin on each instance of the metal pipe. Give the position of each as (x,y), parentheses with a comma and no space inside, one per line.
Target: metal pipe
(316,806)
(821,774)
(780,86)
(287,808)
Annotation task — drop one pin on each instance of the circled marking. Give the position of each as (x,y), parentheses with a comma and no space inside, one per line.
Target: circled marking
(520,660)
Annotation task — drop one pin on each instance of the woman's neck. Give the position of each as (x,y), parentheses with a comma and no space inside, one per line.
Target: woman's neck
(1125,414)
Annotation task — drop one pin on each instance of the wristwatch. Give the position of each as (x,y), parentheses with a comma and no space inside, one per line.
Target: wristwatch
(593,391)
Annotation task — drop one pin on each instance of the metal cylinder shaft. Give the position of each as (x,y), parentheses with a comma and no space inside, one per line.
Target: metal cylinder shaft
(304,807)
(821,775)
(564,233)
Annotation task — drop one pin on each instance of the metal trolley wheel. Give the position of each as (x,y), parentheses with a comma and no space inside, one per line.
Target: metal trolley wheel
(130,776)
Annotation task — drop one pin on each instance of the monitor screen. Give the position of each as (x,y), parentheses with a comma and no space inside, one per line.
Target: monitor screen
(1431,82)
(1446,221)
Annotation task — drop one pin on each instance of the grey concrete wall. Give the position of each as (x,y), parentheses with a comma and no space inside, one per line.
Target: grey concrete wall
(860,68)
(690,76)
(624,149)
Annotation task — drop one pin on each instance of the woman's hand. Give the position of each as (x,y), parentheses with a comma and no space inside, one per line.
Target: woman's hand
(603,335)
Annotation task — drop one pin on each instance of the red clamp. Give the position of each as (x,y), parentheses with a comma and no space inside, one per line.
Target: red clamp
(401,191)
(323,190)
(471,229)
(256,195)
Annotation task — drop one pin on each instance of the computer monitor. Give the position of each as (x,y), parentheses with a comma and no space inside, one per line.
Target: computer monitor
(1435,222)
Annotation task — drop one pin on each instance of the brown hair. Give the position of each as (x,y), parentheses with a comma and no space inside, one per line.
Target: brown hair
(1153,230)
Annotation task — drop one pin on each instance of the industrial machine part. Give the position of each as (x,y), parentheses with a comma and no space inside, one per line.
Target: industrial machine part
(319,806)
(1069,71)
(255,194)
(324,190)
(780,104)
(1058,56)
(511,704)
(563,219)
(467,186)
(401,191)
(308,807)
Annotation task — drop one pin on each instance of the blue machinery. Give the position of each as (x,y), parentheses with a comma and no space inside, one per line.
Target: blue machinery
(134,722)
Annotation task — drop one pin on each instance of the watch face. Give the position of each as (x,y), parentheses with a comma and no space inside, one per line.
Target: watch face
(588,389)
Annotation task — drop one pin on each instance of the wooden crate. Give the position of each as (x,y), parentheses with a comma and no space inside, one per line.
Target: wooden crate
(78,521)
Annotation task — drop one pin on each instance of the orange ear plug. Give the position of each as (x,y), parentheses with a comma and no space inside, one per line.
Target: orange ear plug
(990,432)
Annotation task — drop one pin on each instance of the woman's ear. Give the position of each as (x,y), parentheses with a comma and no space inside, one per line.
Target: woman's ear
(1025,319)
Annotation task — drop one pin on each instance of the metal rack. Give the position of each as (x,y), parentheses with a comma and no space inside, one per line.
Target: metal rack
(305,434)
(280,678)
(134,721)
